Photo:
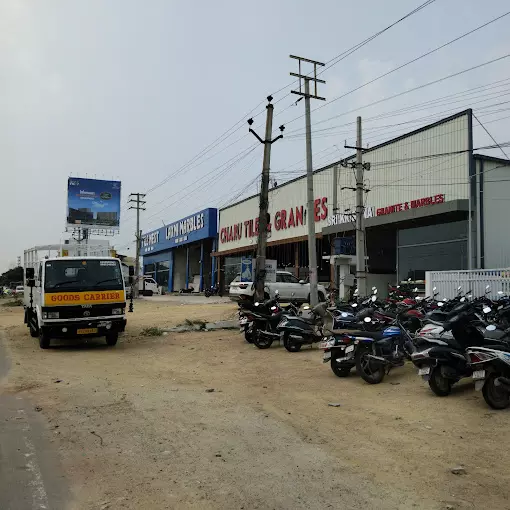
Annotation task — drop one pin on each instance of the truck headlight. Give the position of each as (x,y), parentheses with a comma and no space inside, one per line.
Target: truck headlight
(50,315)
(117,311)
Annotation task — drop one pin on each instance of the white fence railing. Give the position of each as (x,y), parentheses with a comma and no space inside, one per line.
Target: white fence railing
(447,282)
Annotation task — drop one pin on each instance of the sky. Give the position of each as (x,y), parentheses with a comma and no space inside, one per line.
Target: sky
(142,92)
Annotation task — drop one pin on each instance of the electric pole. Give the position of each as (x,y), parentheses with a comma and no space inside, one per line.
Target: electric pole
(312,249)
(138,203)
(260,263)
(360,167)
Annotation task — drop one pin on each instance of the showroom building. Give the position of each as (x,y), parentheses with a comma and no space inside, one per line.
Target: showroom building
(431,203)
(178,255)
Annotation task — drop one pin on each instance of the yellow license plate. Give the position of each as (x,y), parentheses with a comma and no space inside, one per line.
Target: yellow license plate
(86,331)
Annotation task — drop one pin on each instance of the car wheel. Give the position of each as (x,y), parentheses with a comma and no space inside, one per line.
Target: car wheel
(322,297)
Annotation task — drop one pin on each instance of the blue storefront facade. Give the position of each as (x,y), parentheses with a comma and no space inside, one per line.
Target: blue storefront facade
(178,255)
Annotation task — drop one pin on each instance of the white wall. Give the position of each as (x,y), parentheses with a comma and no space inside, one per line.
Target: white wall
(396,177)
(496,198)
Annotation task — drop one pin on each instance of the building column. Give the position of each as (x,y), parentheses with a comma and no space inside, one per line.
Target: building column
(201,288)
(187,268)
(171,272)
(296,259)
(213,264)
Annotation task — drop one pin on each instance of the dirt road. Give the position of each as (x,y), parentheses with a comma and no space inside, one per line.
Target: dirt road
(134,426)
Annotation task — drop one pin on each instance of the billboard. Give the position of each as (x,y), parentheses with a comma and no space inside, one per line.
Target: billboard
(93,203)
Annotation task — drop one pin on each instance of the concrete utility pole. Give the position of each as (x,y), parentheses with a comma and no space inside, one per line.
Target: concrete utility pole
(260,264)
(361,275)
(312,249)
(137,200)
(360,167)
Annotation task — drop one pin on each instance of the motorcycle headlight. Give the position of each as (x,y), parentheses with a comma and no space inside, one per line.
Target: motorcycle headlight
(117,311)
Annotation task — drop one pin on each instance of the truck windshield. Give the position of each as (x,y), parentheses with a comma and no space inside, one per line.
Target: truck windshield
(81,275)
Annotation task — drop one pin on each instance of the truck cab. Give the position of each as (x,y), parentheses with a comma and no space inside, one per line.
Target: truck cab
(75,297)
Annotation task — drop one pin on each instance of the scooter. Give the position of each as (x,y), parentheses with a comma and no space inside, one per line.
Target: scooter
(296,331)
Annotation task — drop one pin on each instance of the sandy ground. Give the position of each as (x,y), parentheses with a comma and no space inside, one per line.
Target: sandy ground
(135,428)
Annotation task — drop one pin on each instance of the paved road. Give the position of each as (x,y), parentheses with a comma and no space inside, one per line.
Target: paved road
(30,475)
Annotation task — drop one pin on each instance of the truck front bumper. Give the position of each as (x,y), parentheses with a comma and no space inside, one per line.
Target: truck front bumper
(84,328)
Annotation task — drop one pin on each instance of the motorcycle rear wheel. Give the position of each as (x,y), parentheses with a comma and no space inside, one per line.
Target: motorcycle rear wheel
(495,396)
(338,369)
(291,345)
(439,384)
(260,341)
(369,371)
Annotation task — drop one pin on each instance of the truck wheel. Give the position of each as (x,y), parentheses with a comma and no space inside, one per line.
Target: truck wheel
(148,293)
(34,333)
(44,340)
(111,338)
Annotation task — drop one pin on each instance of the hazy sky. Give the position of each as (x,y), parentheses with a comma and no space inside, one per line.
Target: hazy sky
(134,90)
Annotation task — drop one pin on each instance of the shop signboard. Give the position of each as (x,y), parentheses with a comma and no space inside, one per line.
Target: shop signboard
(196,227)
(248,270)
(93,203)
(371,211)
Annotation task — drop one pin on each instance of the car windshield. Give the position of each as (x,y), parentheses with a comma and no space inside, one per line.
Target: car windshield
(79,275)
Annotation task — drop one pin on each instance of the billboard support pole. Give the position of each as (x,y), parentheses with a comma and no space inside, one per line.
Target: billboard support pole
(137,200)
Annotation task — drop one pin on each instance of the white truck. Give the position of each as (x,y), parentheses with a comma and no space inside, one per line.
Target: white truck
(147,286)
(70,297)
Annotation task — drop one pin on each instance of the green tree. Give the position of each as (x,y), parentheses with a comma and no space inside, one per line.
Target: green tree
(12,275)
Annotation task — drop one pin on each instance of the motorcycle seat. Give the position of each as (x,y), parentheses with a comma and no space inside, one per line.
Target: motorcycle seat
(497,334)
(375,335)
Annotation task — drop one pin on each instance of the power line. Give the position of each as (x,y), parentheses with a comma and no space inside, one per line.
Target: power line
(230,131)
(423,55)
(485,129)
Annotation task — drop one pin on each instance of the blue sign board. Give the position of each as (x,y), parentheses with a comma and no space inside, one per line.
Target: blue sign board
(247,270)
(198,226)
(345,246)
(93,203)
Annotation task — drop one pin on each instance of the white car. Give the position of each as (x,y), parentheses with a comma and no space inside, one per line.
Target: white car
(19,289)
(289,288)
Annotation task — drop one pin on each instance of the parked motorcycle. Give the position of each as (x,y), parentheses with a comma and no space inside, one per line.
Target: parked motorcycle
(248,311)
(491,369)
(213,290)
(443,362)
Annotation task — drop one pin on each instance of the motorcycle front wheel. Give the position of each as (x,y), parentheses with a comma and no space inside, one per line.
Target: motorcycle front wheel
(439,384)
(248,334)
(495,396)
(261,341)
(370,372)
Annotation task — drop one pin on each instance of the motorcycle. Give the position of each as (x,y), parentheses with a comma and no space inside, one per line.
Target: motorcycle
(443,361)
(248,311)
(213,290)
(491,369)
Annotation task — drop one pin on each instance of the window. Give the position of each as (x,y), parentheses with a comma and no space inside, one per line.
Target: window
(79,275)
(280,277)
(290,278)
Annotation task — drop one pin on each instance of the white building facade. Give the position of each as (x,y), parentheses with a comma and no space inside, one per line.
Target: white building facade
(420,190)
